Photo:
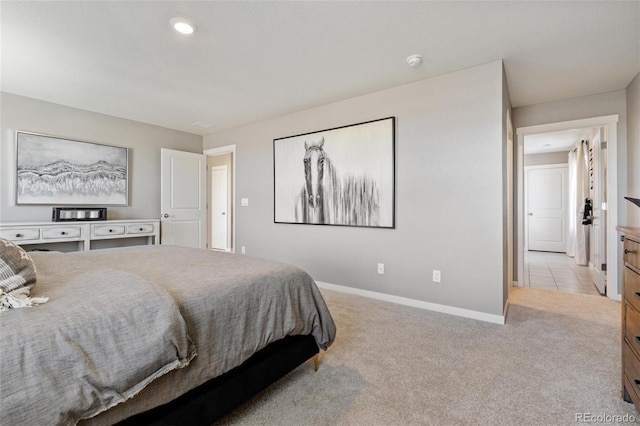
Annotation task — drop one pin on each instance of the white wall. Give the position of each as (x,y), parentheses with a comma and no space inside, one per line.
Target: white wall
(449,193)
(633,150)
(143,140)
(560,157)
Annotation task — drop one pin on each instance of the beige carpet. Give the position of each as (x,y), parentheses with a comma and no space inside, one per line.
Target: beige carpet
(557,356)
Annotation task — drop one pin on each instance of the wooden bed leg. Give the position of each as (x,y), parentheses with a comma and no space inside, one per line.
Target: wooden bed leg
(316,362)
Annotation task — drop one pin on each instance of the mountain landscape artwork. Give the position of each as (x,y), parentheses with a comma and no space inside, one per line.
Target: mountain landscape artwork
(59,171)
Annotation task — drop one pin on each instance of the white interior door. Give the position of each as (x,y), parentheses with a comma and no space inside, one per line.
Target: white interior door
(219,208)
(546,206)
(183,198)
(597,176)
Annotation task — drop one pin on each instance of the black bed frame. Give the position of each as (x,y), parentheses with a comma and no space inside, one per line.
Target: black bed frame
(217,397)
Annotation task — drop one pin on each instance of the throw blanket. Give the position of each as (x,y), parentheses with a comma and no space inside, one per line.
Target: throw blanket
(17,277)
(102,338)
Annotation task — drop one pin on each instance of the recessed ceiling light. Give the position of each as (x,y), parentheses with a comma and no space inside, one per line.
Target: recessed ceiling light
(183,26)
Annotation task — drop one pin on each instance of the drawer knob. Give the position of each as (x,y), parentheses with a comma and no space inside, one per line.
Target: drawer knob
(63,233)
(627,251)
(141,229)
(110,230)
(18,235)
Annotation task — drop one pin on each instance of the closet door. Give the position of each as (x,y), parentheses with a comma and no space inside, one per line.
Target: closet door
(546,190)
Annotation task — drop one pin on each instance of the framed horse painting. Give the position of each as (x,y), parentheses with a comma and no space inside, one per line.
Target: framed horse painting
(343,176)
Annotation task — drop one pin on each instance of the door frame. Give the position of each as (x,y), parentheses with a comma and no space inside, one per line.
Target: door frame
(596,267)
(526,193)
(227,149)
(613,259)
(227,241)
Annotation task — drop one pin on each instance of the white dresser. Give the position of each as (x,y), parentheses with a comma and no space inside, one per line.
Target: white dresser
(81,232)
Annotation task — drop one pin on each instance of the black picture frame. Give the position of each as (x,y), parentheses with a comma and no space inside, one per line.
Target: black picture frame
(343,176)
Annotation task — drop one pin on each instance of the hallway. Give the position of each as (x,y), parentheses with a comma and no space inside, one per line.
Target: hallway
(557,271)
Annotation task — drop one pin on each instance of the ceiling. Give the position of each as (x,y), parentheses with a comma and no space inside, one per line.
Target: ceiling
(554,141)
(250,61)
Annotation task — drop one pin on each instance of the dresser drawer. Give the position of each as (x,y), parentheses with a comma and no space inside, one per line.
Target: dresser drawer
(18,234)
(631,369)
(632,389)
(632,328)
(60,233)
(106,230)
(631,287)
(140,228)
(631,253)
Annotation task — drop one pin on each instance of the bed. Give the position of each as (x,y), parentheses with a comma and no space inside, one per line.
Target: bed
(154,335)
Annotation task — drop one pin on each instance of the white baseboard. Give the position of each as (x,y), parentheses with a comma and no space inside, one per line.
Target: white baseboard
(451,310)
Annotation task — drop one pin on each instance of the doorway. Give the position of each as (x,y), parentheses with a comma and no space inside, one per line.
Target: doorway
(219,207)
(221,198)
(608,234)
(559,230)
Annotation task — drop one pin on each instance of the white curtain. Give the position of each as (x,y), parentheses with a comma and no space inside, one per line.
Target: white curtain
(573,209)
(580,172)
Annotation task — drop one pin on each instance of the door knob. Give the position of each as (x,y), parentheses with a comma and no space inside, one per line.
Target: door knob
(530,214)
(165,215)
(223,213)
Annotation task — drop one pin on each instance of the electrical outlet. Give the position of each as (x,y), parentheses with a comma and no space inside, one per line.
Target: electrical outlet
(381,268)
(242,250)
(436,276)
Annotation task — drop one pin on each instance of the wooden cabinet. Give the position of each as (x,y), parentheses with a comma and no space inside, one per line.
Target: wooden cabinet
(81,232)
(631,316)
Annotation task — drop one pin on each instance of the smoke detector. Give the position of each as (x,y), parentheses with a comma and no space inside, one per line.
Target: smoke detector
(414,60)
(202,124)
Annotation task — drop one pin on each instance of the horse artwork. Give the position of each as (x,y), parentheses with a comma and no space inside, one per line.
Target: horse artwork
(327,199)
(342,176)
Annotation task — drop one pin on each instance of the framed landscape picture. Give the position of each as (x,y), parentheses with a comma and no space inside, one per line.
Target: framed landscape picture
(343,176)
(58,171)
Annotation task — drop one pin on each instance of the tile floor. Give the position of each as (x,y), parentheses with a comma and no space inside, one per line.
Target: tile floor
(557,271)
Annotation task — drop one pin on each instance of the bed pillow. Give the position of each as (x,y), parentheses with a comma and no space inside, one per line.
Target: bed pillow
(17,277)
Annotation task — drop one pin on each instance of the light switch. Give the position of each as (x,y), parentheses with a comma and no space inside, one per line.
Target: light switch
(244,202)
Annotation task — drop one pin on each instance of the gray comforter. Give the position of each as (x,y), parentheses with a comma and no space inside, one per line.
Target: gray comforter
(119,321)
